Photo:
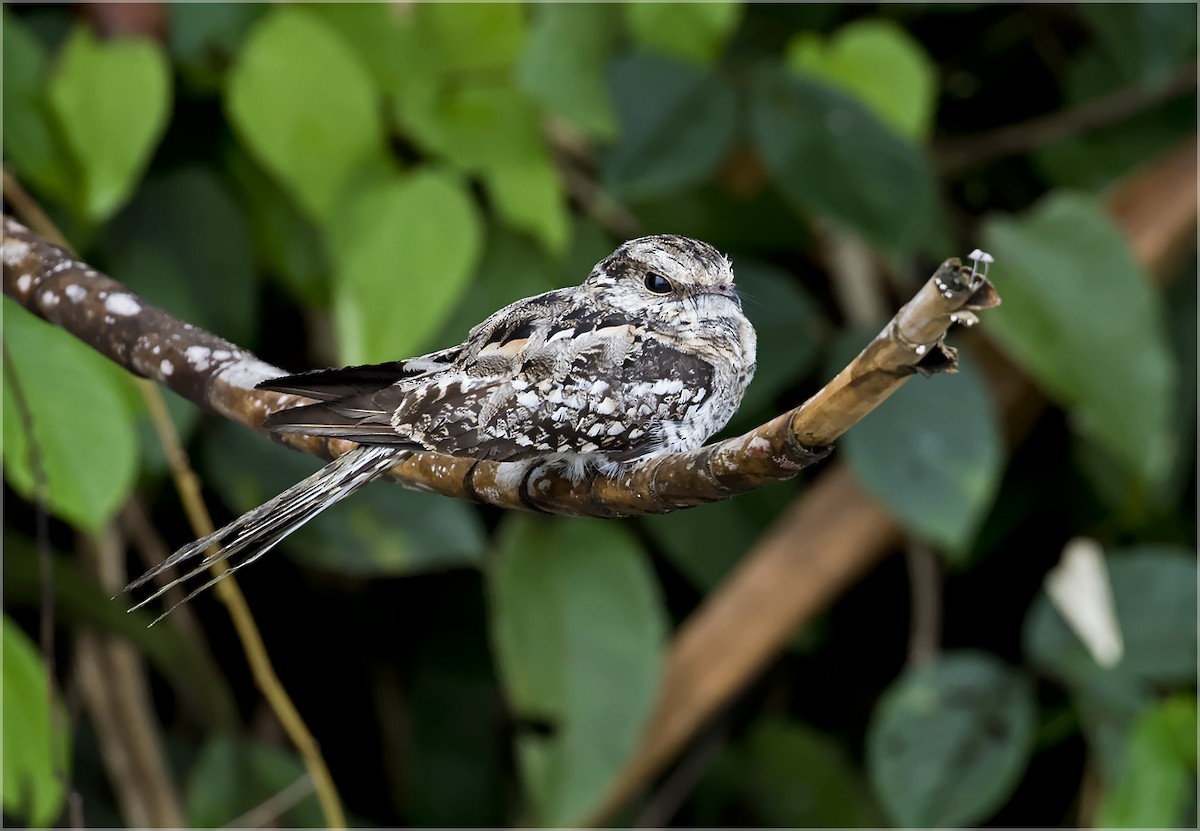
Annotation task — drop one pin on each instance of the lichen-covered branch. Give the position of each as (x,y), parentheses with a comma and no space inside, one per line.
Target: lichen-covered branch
(214,373)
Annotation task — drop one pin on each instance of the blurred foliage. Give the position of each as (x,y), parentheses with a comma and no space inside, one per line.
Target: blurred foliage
(348,182)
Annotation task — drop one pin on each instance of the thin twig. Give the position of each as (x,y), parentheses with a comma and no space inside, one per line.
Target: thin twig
(276,806)
(963,154)
(925,607)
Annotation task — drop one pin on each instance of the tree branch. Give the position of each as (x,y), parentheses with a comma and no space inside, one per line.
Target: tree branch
(220,376)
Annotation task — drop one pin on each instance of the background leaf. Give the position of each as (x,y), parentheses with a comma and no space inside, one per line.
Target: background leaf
(405,249)
(1080,317)
(35,758)
(933,454)
(693,31)
(577,631)
(949,741)
(832,157)
(677,123)
(89,455)
(112,137)
(233,776)
(304,106)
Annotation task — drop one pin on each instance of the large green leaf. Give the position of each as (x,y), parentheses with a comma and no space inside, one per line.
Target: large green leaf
(233,776)
(1146,41)
(112,100)
(578,628)
(183,244)
(303,104)
(880,64)
(383,530)
(785,774)
(832,157)
(1154,594)
(405,250)
(32,142)
(83,428)
(473,37)
(934,455)
(1079,316)
(948,742)
(677,123)
(692,31)
(1157,783)
(563,66)
(35,756)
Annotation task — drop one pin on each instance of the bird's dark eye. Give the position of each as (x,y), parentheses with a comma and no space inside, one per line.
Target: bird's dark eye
(657,283)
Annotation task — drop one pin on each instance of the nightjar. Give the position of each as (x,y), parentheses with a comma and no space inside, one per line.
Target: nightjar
(650,355)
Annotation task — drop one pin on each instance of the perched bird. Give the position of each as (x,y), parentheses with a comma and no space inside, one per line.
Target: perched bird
(650,355)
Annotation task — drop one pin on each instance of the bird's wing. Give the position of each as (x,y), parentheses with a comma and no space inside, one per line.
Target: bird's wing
(334,384)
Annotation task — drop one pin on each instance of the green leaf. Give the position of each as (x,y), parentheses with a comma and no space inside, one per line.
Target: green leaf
(473,37)
(578,629)
(304,106)
(32,142)
(948,742)
(88,453)
(284,237)
(933,453)
(677,124)
(35,757)
(563,66)
(405,250)
(695,32)
(1154,593)
(831,156)
(233,776)
(382,530)
(786,774)
(1157,784)
(112,100)
(1146,41)
(388,41)
(880,64)
(183,244)
(528,194)
(1080,317)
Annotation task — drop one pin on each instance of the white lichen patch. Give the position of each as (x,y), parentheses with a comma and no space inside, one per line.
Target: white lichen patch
(75,293)
(758,445)
(166,367)
(246,373)
(197,357)
(125,305)
(15,250)
(24,282)
(49,299)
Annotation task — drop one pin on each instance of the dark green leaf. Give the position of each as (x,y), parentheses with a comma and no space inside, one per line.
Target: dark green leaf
(1154,592)
(303,104)
(830,156)
(1145,40)
(112,136)
(578,628)
(183,244)
(880,64)
(32,142)
(35,757)
(204,37)
(933,454)
(87,451)
(949,741)
(405,250)
(1080,317)
(695,32)
(233,776)
(1157,783)
(785,774)
(383,530)
(677,124)
(562,68)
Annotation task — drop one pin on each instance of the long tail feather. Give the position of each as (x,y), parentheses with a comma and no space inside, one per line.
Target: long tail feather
(260,530)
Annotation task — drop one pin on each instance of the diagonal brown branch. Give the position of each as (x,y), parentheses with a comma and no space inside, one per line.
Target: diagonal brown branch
(216,374)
